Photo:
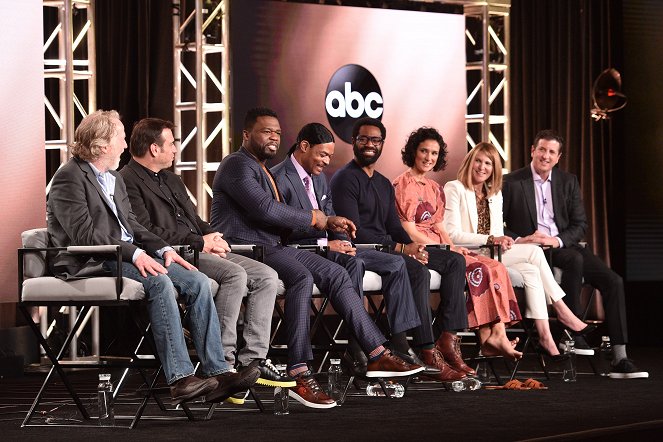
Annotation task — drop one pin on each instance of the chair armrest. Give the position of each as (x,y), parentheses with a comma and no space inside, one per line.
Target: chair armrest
(370,246)
(493,248)
(256,251)
(320,250)
(439,246)
(74,250)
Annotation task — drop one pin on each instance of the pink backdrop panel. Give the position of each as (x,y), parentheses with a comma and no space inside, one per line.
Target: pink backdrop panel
(22,157)
(284,55)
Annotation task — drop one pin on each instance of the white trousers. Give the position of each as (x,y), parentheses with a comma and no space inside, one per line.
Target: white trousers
(541,288)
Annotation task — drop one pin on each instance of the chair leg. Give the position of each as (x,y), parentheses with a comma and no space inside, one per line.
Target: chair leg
(55,360)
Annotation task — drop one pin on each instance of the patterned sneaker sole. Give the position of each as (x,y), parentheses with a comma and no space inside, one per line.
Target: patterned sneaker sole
(272,383)
(306,403)
(237,400)
(392,374)
(634,375)
(579,351)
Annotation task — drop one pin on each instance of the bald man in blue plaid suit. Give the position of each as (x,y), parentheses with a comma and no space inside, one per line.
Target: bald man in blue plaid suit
(249,209)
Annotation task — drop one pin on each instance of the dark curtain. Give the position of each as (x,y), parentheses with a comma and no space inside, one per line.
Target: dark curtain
(558,48)
(134,42)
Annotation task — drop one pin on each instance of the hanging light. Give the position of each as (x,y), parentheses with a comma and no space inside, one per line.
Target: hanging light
(606,94)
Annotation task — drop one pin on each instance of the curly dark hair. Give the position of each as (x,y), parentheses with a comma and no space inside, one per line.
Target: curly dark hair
(409,152)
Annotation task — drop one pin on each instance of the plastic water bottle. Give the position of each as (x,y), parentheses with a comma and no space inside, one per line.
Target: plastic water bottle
(394,389)
(334,386)
(472,384)
(483,372)
(569,373)
(105,397)
(605,356)
(456,386)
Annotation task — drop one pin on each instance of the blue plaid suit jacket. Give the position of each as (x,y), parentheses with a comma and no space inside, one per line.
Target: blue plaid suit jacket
(244,206)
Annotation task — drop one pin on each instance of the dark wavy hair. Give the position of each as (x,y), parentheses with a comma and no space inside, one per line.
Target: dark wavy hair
(409,152)
(313,133)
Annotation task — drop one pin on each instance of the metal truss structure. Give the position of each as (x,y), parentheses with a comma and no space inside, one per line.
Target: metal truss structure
(201,93)
(202,96)
(69,69)
(70,94)
(487,67)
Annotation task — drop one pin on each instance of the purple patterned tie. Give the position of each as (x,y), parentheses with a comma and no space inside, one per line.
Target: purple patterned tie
(309,192)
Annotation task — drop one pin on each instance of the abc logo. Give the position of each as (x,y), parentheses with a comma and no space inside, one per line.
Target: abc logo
(352,93)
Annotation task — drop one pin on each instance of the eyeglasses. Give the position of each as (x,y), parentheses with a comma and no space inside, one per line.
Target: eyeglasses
(375,141)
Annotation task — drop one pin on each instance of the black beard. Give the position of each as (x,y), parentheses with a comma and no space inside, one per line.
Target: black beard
(365,161)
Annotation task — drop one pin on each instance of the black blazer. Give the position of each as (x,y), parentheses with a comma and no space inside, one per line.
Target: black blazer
(294,194)
(79,214)
(520,205)
(154,211)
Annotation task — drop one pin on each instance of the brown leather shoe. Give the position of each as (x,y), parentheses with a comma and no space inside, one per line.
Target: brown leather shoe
(232,382)
(388,365)
(309,393)
(449,346)
(434,358)
(191,387)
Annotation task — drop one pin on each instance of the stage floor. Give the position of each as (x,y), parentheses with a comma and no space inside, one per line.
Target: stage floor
(593,408)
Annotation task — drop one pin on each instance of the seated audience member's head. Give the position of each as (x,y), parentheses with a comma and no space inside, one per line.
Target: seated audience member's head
(425,150)
(100,138)
(262,133)
(314,148)
(368,135)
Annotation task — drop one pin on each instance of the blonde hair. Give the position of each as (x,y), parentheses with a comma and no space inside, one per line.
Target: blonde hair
(95,131)
(494,183)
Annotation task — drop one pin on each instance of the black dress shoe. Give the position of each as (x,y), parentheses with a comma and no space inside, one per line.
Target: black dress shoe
(356,358)
(558,358)
(191,387)
(411,358)
(585,331)
(232,382)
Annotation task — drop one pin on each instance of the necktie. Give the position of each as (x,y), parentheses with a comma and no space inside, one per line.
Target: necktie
(310,193)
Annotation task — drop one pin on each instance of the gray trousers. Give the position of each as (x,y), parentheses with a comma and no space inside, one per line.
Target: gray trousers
(239,277)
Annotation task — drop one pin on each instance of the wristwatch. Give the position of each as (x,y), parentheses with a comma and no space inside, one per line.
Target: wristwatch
(490,240)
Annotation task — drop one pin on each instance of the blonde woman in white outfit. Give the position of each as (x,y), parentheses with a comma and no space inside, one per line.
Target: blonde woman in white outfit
(473,216)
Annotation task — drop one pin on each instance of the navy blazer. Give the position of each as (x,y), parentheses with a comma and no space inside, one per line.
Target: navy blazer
(154,211)
(79,214)
(294,194)
(244,206)
(520,205)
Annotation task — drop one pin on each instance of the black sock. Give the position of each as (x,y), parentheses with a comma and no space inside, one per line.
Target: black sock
(399,343)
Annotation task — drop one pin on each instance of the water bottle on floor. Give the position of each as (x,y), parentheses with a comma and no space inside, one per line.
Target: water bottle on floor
(605,356)
(105,397)
(394,389)
(569,373)
(483,372)
(334,382)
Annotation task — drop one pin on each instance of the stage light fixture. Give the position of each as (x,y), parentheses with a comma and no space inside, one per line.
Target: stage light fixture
(606,94)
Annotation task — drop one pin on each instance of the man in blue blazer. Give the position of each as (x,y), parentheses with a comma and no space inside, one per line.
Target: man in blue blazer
(248,207)
(303,185)
(542,205)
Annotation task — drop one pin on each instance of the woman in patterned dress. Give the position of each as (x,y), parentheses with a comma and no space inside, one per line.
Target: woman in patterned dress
(491,303)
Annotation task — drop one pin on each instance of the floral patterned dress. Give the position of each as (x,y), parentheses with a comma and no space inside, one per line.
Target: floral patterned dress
(491,298)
